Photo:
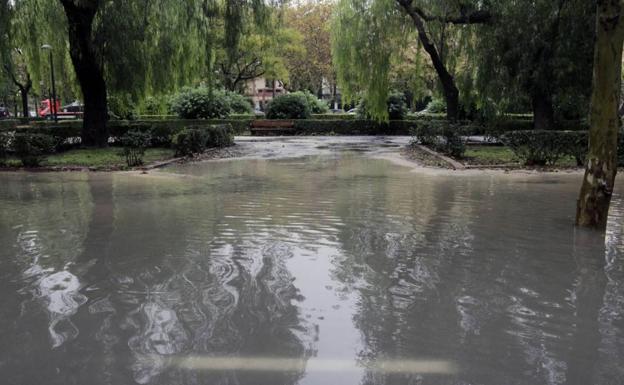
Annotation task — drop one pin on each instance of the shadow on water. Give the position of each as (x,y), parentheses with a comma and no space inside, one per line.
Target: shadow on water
(317,270)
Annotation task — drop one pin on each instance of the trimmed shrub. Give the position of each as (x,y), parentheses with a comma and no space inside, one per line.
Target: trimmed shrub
(134,144)
(397,108)
(238,103)
(162,134)
(31,149)
(201,103)
(289,106)
(425,134)
(541,147)
(442,137)
(237,126)
(436,106)
(219,137)
(190,142)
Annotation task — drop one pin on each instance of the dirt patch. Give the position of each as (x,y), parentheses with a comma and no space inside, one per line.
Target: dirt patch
(416,154)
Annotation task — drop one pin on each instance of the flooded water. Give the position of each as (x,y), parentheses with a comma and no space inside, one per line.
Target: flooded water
(333,268)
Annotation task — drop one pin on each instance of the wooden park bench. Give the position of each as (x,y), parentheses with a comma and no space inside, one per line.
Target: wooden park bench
(272,127)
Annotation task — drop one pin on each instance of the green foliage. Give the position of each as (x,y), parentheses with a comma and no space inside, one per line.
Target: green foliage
(365,34)
(334,116)
(238,103)
(4,147)
(289,106)
(540,147)
(454,144)
(219,136)
(194,141)
(190,142)
(155,105)
(316,105)
(442,137)
(425,134)
(396,109)
(134,144)
(532,48)
(122,107)
(436,106)
(201,103)
(31,149)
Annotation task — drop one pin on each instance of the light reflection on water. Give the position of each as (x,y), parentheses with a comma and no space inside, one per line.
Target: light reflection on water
(326,269)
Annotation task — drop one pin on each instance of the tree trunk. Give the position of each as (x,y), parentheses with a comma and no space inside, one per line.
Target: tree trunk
(451,93)
(597,188)
(88,71)
(543,111)
(24,95)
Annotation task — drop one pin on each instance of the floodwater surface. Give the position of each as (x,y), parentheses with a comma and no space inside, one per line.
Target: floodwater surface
(331,268)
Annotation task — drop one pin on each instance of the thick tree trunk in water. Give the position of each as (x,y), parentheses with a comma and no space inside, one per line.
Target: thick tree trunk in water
(88,70)
(543,111)
(451,93)
(595,196)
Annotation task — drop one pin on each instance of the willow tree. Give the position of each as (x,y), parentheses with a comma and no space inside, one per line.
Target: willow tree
(366,34)
(598,183)
(537,56)
(129,46)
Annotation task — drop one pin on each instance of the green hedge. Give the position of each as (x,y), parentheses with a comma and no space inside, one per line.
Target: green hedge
(334,116)
(502,126)
(540,147)
(161,132)
(371,127)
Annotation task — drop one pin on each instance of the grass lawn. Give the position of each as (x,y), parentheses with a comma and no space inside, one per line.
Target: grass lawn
(499,155)
(98,158)
(490,155)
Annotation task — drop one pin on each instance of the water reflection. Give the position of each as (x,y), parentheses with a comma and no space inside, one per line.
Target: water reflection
(329,269)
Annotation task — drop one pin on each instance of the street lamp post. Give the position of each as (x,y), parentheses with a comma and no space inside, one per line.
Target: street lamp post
(48,47)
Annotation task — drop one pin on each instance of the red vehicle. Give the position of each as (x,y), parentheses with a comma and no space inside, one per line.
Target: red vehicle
(70,111)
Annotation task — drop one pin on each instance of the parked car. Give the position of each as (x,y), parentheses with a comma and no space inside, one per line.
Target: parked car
(74,107)
(4,113)
(70,111)
(352,111)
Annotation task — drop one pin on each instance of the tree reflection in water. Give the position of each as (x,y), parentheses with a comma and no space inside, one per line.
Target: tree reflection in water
(179,274)
(444,273)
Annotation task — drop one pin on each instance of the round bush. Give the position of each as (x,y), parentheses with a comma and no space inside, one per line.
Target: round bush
(289,106)
(436,106)
(134,143)
(189,142)
(317,106)
(219,136)
(238,103)
(201,103)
